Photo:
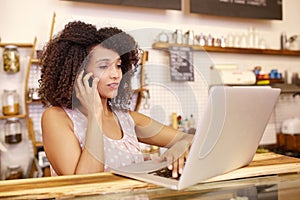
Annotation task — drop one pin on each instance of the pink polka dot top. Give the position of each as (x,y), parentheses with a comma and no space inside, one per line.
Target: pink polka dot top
(117,153)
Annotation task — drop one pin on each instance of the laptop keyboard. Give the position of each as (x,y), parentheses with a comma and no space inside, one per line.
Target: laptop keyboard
(165,172)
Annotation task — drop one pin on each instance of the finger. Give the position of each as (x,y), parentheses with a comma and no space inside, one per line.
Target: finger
(169,160)
(86,79)
(181,164)
(95,83)
(175,169)
(78,84)
(79,77)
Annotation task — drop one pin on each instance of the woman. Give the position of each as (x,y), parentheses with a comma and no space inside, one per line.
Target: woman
(85,84)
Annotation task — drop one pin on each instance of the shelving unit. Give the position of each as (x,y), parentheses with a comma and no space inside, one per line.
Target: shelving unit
(25,115)
(285,88)
(2,117)
(27,50)
(165,46)
(19,45)
(30,124)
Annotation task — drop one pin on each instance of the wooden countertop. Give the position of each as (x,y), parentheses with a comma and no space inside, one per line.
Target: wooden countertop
(107,183)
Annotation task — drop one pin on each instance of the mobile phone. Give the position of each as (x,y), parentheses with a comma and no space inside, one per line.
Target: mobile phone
(90,79)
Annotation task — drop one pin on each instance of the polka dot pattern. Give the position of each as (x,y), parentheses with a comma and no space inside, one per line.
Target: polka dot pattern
(117,153)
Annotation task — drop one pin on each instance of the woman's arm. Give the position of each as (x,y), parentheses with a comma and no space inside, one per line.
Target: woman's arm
(62,147)
(152,132)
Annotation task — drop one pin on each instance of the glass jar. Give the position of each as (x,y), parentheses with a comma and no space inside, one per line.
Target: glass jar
(10,102)
(13,172)
(11,59)
(13,131)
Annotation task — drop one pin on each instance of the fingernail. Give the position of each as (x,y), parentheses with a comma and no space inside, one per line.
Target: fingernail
(174,174)
(170,167)
(180,171)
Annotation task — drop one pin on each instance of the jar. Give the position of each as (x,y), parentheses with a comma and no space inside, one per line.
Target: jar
(11,59)
(13,172)
(13,131)
(10,102)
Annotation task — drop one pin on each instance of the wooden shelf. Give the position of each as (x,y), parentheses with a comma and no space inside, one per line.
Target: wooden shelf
(165,46)
(38,144)
(21,45)
(2,117)
(35,101)
(286,88)
(35,61)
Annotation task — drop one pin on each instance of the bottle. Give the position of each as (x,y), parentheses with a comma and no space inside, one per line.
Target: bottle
(174,121)
(191,122)
(11,59)
(185,125)
(283,41)
(13,131)
(10,102)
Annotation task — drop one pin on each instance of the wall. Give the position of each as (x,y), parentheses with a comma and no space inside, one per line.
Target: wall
(36,17)
(20,21)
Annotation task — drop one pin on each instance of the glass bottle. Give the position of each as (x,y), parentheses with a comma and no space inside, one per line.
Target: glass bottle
(10,102)
(13,131)
(13,172)
(11,59)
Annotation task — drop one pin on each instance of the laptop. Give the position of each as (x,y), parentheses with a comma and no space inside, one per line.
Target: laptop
(226,138)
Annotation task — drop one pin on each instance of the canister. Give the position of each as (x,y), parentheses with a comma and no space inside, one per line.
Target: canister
(10,102)
(13,131)
(11,59)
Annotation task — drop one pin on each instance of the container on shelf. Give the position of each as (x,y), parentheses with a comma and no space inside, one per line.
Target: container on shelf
(11,59)
(33,94)
(13,131)
(10,102)
(13,172)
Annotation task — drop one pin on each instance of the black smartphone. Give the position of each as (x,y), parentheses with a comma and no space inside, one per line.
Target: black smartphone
(90,79)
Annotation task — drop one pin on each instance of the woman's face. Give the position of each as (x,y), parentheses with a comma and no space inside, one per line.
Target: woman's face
(106,65)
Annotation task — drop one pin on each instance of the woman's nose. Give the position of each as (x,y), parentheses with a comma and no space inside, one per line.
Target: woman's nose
(115,71)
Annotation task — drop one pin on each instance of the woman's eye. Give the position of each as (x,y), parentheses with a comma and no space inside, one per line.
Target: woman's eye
(103,66)
(120,65)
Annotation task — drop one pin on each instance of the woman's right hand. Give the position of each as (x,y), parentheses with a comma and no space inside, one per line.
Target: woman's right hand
(88,96)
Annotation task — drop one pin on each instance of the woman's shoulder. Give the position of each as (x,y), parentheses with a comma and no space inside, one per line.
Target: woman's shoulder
(54,112)
(55,115)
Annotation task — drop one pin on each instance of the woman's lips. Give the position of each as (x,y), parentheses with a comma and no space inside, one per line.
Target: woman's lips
(113,85)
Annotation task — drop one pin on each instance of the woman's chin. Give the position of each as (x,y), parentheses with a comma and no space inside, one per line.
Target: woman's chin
(111,96)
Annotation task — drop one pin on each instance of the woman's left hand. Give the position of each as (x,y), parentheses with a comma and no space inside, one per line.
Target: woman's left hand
(176,156)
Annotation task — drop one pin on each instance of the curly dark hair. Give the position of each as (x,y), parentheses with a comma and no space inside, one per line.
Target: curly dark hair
(64,55)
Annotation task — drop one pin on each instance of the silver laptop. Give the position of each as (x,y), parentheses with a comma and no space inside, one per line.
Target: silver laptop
(226,137)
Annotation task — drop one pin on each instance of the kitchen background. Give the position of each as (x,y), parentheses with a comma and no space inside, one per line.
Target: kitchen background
(21,21)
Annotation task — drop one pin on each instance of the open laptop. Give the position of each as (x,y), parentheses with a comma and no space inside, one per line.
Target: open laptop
(226,138)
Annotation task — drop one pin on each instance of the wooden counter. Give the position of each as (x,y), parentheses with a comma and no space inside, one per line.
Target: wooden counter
(267,166)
